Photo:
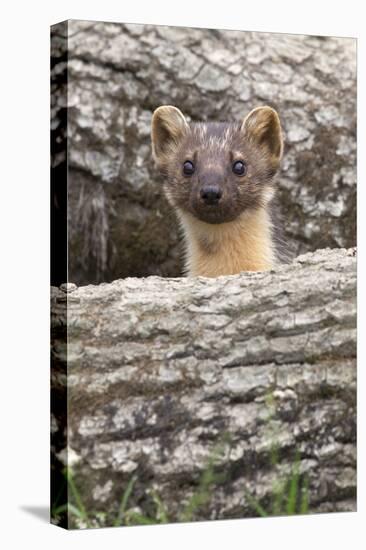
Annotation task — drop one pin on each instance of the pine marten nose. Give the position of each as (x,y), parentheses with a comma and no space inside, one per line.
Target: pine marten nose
(211,194)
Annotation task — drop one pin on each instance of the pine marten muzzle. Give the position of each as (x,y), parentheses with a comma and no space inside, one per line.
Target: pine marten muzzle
(219,179)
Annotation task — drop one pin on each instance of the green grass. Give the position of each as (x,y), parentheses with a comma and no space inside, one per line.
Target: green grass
(130,516)
(124,501)
(289,495)
(78,510)
(208,480)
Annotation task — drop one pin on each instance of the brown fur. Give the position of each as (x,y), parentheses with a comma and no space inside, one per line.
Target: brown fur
(236,234)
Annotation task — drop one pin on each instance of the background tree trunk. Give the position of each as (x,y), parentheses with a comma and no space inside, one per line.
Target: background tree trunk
(119,223)
(170,378)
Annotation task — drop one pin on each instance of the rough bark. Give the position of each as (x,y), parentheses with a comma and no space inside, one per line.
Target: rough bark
(120,225)
(163,372)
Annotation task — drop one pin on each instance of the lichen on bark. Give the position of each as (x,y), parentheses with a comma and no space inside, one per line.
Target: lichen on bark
(162,371)
(119,222)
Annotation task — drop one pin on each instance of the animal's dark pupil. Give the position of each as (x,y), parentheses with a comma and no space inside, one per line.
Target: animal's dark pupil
(188,168)
(239,168)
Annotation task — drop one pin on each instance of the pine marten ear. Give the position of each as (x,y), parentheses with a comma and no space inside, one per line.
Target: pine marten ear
(167,128)
(262,127)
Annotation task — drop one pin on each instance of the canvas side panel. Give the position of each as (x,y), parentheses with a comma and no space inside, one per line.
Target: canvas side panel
(59,271)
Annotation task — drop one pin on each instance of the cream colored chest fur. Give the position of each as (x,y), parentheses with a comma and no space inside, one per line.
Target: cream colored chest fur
(244,244)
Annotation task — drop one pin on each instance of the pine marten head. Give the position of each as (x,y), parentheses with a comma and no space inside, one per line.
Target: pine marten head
(215,170)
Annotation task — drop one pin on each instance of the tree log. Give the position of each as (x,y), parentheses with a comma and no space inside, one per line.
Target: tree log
(119,223)
(167,378)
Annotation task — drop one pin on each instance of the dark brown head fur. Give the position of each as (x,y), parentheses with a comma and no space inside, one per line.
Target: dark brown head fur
(213,193)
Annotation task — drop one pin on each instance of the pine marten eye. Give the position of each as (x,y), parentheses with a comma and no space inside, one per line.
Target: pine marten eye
(188,168)
(239,168)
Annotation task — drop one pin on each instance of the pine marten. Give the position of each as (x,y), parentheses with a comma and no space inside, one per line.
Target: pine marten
(219,178)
